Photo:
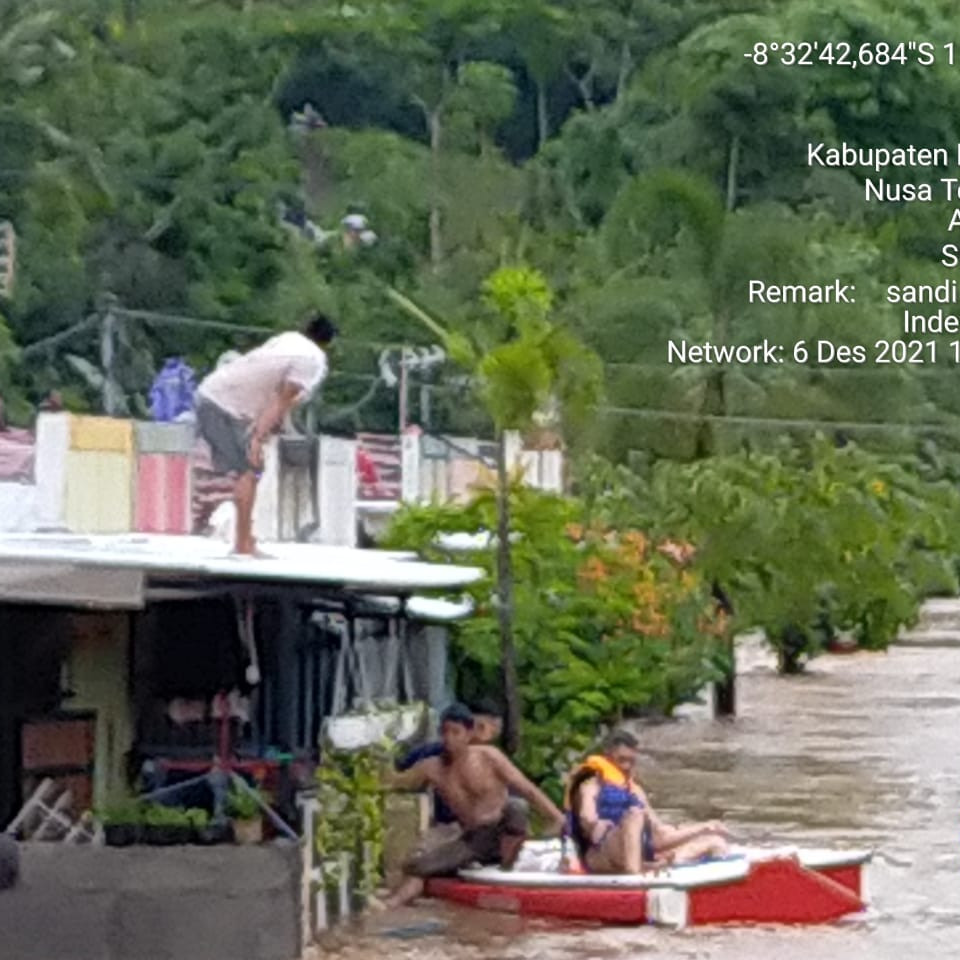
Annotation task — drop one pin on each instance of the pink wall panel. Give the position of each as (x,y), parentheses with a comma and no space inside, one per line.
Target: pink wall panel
(163,493)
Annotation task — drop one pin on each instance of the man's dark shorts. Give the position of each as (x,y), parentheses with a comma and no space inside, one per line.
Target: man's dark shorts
(481,844)
(227,436)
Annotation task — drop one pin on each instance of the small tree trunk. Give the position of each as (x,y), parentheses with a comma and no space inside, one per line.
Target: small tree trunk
(792,644)
(732,171)
(725,689)
(714,397)
(543,120)
(436,238)
(714,405)
(508,653)
(626,66)
(585,86)
(313,173)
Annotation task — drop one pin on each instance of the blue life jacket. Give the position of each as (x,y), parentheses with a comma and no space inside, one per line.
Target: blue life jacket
(614,801)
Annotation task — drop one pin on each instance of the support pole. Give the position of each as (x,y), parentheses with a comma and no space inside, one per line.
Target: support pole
(108,357)
(404,389)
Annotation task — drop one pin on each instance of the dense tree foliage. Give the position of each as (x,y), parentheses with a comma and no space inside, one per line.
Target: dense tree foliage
(163,152)
(171,161)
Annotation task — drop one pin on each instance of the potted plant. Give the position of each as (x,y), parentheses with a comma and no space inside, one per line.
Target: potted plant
(199,821)
(122,823)
(243,807)
(408,721)
(166,826)
(350,827)
(354,731)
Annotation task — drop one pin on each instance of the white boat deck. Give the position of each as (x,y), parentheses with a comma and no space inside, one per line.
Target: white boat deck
(539,861)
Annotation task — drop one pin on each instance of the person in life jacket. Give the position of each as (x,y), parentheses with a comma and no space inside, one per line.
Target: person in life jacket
(613,826)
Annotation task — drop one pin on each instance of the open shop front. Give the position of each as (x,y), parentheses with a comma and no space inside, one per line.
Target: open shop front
(132,664)
(136,664)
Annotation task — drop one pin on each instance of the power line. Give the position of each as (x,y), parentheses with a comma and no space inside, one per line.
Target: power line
(225,325)
(51,341)
(171,319)
(740,420)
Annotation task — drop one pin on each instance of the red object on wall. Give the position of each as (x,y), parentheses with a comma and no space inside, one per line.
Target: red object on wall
(163,493)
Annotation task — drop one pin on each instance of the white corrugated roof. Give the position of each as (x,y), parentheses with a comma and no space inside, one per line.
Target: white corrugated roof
(151,554)
(428,609)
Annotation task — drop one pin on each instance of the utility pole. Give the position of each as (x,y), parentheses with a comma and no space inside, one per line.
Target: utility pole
(108,354)
(425,405)
(404,387)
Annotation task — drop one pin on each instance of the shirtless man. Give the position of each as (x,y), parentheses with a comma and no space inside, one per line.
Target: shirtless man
(473,780)
(616,829)
(487,726)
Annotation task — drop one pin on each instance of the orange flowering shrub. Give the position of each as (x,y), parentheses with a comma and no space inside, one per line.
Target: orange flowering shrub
(625,574)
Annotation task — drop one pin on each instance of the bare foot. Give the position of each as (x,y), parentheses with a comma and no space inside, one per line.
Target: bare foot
(254,553)
(656,867)
(510,848)
(376,905)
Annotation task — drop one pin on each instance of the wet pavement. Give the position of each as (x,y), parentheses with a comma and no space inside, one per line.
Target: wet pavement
(859,752)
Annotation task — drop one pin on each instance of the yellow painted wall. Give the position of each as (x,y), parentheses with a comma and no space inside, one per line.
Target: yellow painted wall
(100,670)
(99,491)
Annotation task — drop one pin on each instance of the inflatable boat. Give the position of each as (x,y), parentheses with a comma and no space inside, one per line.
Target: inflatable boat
(784,885)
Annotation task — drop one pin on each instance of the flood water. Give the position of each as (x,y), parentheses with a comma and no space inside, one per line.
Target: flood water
(861,751)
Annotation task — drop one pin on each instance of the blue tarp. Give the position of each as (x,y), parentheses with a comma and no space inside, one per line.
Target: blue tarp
(173,390)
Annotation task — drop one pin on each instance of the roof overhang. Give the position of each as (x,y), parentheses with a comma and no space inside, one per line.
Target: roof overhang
(118,570)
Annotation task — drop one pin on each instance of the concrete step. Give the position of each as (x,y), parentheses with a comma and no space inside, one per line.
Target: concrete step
(929,638)
(939,615)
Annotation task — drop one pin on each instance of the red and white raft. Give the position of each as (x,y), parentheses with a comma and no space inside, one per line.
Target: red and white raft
(786,885)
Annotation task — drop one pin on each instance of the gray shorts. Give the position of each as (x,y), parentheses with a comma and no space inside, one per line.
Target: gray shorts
(227,436)
(482,844)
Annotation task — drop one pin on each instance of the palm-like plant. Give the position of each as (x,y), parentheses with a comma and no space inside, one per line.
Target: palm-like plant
(526,370)
(691,259)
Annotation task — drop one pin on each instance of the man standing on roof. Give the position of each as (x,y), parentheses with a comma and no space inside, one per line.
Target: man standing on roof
(243,402)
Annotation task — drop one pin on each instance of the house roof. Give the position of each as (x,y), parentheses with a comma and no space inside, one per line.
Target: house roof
(113,569)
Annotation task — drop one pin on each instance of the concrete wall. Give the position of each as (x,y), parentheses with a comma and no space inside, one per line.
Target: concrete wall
(99,672)
(18,507)
(152,903)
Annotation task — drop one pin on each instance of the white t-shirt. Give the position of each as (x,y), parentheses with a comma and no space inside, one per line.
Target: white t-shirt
(246,385)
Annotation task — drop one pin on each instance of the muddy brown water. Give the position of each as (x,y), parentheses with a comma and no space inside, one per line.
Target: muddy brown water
(861,751)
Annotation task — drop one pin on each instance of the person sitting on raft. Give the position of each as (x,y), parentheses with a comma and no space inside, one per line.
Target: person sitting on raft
(613,825)
(487,726)
(475,781)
